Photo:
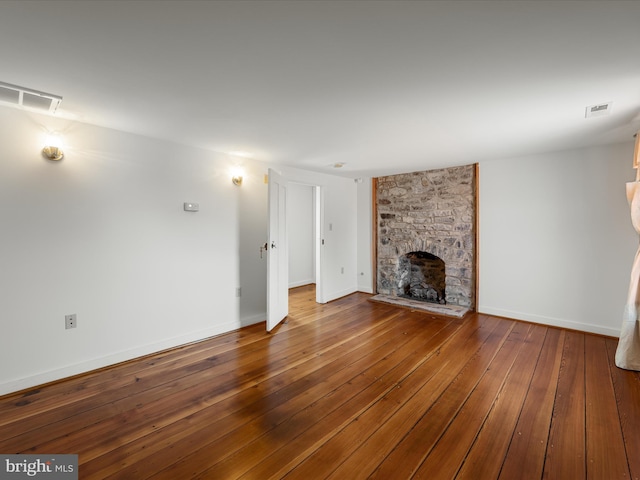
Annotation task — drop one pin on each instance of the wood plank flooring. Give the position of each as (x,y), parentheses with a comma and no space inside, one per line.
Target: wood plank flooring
(348,390)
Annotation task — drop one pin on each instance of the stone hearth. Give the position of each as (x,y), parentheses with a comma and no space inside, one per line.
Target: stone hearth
(447,310)
(425,216)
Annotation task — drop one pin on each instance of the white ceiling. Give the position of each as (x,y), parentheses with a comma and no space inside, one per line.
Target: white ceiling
(384,86)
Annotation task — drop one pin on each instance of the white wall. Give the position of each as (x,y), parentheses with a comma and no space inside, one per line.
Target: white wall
(301,241)
(365,225)
(556,241)
(103,234)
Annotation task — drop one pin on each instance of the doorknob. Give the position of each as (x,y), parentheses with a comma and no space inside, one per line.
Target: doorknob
(273,244)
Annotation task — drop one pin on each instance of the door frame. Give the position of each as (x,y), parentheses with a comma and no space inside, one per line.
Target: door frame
(318,206)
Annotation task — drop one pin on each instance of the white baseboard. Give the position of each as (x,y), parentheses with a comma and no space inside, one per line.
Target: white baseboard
(118,357)
(339,294)
(301,283)
(554,322)
(365,289)
(253,319)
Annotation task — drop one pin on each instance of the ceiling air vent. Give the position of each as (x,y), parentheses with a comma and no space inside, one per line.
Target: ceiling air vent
(28,98)
(599,110)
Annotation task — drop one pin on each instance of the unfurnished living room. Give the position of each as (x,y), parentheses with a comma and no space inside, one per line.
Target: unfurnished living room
(319,239)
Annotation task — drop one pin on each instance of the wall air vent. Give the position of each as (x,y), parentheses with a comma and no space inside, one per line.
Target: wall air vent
(599,110)
(28,98)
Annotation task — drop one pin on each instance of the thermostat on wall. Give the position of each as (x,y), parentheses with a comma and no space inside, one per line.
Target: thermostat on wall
(191,207)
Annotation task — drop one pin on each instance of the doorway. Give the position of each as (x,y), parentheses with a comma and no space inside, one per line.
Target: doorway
(293,207)
(303,220)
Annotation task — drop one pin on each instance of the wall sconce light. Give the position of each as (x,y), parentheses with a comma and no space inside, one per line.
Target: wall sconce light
(53,148)
(236,175)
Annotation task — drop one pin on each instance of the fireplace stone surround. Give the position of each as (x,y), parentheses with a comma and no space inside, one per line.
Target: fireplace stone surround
(428,214)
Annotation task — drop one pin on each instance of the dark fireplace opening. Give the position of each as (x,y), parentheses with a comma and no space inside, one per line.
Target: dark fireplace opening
(422,277)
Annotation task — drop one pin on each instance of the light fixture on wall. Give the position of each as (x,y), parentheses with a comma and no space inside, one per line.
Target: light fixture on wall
(53,148)
(236,175)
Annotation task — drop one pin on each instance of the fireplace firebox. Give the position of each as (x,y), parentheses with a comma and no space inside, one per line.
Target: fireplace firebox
(421,277)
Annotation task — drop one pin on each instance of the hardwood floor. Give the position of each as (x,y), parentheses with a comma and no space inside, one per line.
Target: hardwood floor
(351,389)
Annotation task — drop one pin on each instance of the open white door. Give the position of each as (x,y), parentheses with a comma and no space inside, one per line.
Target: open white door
(278,254)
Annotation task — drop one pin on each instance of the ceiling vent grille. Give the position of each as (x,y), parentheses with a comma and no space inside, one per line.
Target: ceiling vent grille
(599,110)
(28,98)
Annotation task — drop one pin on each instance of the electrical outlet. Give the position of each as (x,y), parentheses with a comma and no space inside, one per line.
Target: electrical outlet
(341,269)
(70,321)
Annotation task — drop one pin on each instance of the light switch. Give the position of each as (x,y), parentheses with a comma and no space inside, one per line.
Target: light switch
(191,207)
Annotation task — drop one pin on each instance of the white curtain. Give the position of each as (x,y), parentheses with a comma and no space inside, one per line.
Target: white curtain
(628,352)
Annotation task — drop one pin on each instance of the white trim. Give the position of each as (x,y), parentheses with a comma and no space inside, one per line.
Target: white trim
(114,358)
(125,355)
(252,320)
(336,295)
(554,322)
(302,283)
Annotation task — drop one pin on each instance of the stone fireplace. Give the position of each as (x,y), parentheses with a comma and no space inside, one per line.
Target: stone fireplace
(426,236)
